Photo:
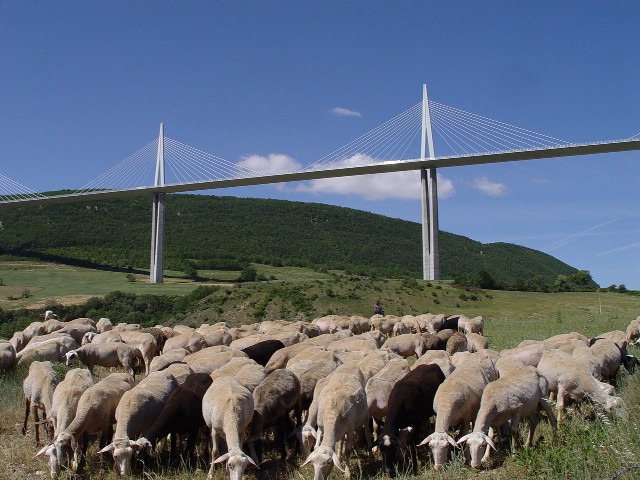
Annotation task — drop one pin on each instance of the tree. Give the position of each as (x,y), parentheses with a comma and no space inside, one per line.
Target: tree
(248,274)
(582,278)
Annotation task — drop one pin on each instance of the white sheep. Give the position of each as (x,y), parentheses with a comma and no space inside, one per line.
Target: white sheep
(246,371)
(516,396)
(211,358)
(571,380)
(192,342)
(113,354)
(104,325)
(476,342)
(66,396)
(95,413)
(38,388)
(104,337)
(457,402)
(436,357)
(407,345)
(342,411)
(136,412)
(163,361)
(227,408)
(143,343)
(378,388)
(280,357)
(52,347)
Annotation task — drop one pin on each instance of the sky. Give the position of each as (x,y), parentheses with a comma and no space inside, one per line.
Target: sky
(277,84)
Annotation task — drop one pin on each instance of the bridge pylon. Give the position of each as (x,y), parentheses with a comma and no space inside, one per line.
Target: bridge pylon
(156,268)
(429,197)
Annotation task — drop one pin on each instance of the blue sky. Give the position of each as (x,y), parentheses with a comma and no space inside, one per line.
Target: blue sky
(86,84)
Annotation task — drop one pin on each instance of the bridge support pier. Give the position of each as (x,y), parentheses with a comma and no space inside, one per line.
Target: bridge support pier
(429,182)
(156,267)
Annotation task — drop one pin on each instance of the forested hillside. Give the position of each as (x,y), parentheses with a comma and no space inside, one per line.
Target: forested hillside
(211,232)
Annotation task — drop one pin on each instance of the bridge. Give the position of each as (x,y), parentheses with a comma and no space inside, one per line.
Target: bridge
(474,139)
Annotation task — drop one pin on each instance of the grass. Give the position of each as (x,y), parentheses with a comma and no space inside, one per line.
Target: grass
(588,446)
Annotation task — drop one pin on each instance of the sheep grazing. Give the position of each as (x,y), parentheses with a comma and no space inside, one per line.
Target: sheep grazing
(471,325)
(163,361)
(246,371)
(407,344)
(52,349)
(280,357)
(192,342)
(136,412)
(476,342)
(227,408)
(66,397)
(105,337)
(609,357)
(410,405)
(516,396)
(378,388)
(104,325)
(112,354)
(529,354)
(436,357)
(182,414)
(273,399)
(342,411)
(457,402)
(456,343)
(633,331)
(571,380)
(38,387)
(95,413)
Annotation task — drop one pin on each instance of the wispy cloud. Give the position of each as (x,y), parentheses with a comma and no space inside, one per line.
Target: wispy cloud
(272,163)
(619,249)
(345,112)
(587,231)
(487,187)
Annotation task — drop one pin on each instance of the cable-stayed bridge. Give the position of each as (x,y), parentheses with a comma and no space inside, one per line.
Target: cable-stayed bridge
(166,165)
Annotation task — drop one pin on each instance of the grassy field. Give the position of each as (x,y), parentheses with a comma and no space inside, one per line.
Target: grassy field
(590,445)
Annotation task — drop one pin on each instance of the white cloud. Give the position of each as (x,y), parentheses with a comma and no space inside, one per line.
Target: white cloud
(345,112)
(487,187)
(273,163)
(379,186)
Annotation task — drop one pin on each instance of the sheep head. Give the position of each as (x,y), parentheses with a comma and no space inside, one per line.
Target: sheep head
(439,444)
(237,462)
(71,357)
(323,460)
(478,443)
(122,450)
(54,466)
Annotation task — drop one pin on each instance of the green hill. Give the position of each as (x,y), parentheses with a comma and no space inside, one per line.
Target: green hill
(211,232)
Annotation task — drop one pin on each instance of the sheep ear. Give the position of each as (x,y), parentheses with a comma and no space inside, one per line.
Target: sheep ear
(314,432)
(426,440)
(108,448)
(336,462)
(136,446)
(222,458)
(490,442)
(307,460)
(43,450)
(463,439)
(252,462)
(451,440)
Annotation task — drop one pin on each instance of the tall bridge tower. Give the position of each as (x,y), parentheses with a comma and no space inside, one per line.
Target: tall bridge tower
(156,268)
(429,182)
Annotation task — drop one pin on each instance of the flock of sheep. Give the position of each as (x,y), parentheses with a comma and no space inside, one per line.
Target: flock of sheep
(324,383)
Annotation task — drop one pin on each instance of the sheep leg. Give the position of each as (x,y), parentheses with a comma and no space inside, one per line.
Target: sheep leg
(533,423)
(36,419)
(561,404)
(26,416)
(214,453)
(281,435)
(550,416)
(83,453)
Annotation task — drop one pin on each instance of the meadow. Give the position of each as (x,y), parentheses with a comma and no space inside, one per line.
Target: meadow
(590,445)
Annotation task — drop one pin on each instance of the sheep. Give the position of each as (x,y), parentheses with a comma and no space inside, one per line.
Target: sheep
(438,341)
(516,395)
(342,411)
(280,357)
(7,356)
(310,376)
(77,330)
(407,345)
(436,357)
(227,408)
(476,342)
(66,396)
(527,354)
(373,362)
(112,354)
(127,327)
(248,373)
(570,380)
(163,361)
(471,325)
(96,412)
(554,341)
(400,328)
(105,337)
(609,357)
(586,356)
(38,388)
(136,412)
(384,324)
(143,343)
(192,342)
(375,335)
(617,336)
(104,325)
(323,340)
(182,414)
(215,335)
(457,402)
(18,340)
(244,342)
(633,331)
(379,387)
(273,399)
(314,354)
(208,361)
(351,344)
(456,343)
(410,405)
(53,349)
(430,323)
